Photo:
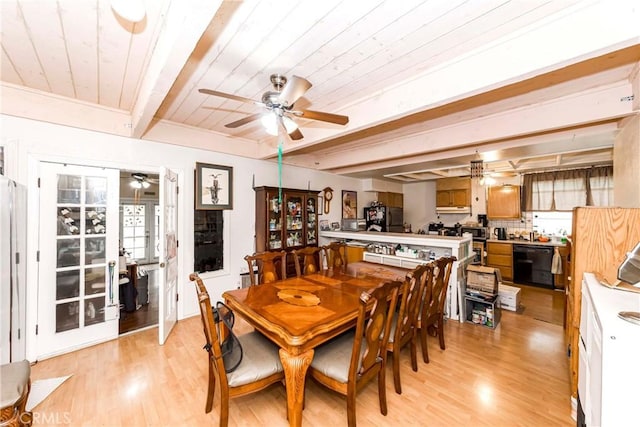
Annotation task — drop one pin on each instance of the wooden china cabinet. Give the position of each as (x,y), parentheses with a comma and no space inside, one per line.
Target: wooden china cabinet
(288,223)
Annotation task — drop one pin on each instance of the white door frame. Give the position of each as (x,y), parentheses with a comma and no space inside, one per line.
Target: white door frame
(33,237)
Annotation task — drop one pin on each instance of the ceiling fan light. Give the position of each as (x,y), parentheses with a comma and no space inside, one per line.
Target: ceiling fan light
(135,184)
(145,184)
(289,124)
(131,10)
(270,124)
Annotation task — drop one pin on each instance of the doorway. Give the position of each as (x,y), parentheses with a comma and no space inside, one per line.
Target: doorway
(140,248)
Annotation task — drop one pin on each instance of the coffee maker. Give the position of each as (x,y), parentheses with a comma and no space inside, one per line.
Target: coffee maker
(483,220)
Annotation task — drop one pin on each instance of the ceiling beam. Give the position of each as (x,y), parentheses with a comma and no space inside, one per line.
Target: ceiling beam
(184,24)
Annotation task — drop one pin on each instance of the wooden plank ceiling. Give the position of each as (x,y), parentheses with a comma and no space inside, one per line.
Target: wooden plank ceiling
(427,85)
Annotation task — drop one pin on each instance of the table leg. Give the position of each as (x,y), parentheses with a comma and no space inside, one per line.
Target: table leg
(295,369)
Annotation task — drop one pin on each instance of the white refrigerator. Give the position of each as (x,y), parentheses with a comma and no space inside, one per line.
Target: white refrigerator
(13,284)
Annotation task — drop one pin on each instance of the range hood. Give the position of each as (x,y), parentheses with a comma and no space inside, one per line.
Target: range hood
(453,209)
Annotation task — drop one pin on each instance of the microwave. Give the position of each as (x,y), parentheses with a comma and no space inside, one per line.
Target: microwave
(477,233)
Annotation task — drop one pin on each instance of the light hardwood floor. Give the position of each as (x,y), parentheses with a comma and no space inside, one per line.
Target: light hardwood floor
(514,375)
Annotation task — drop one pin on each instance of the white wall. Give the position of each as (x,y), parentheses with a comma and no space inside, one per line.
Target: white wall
(31,141)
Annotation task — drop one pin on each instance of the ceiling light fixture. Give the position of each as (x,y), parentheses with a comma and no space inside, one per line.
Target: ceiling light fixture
(270,123)
(131,10)
(477,167)
(139,181)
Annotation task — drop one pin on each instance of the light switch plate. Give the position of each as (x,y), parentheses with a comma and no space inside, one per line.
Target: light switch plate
(111,312)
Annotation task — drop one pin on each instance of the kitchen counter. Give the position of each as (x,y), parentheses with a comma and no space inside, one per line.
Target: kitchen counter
(526,242)
(460,247)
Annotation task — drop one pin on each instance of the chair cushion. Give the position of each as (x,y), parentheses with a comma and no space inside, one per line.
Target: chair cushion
(392,329)
(333,358)
(15,379)
(260,359)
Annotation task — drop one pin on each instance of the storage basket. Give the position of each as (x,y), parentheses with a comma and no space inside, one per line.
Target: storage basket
(482,280)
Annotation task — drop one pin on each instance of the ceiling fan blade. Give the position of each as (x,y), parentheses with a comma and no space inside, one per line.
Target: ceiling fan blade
(296,135)
(325,117)
(243,121)
(230,96)
(293,90)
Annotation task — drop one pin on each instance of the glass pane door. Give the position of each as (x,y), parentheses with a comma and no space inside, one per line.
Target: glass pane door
(275,222)
(76,206)
(311,220)
(294,219)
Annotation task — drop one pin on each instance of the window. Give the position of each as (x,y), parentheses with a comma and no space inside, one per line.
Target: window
(208,240)
(564,190)
(140,225)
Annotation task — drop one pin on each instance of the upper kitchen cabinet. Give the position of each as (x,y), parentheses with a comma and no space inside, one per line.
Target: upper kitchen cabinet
(503,202)
(453,194)
(392,200)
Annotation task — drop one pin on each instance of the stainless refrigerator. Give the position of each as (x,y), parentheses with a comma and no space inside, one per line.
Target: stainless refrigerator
(383,218)
(13,284)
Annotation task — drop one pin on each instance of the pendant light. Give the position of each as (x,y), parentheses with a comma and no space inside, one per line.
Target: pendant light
(131,10)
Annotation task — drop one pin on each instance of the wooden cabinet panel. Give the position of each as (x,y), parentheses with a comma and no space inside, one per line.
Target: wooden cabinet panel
(500,256)
(354,254)
(392,200)
(453,192)
(503,202)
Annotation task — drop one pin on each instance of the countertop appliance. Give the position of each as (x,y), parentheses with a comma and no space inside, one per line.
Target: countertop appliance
(384,218)
(500,233)
(479,236)
(451,230)
(434,228)
(629,270)
(351,224)
(532,265)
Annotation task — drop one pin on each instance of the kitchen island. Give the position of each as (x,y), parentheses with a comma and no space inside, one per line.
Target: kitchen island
(406,250)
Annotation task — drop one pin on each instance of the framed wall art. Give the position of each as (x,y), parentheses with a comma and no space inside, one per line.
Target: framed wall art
(349,204)
(214,187)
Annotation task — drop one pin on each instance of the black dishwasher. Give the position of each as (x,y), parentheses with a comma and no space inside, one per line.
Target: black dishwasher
(532,265)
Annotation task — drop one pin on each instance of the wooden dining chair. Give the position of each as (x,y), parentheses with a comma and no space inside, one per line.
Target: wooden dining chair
(432,313)
(311,259)
(259,368)
(347,363)
(272,266)
(404,323)
(336,255)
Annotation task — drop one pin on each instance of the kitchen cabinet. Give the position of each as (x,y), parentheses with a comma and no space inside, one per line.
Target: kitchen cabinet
(503,202)
(392,200)
(287,224)
(453,192)
(354,254)
(500,256)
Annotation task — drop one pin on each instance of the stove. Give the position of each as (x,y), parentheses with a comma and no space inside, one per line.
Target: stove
(441,230)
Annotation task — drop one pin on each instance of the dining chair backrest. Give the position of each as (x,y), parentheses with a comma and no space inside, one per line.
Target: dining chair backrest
(373,329)
(435,295)
(259,368)
(405,321)
(336,255)
(311,259)
(272,266)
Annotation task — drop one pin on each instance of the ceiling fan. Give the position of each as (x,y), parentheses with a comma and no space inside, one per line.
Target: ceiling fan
(141,180)
(279,105)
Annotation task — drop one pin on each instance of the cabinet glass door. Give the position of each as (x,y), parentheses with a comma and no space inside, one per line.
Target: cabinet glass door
(275,222)
(294,221)
(311,220)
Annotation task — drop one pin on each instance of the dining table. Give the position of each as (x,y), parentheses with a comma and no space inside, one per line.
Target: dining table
(298,314)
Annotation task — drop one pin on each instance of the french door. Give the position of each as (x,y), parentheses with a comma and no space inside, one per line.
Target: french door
(78,301)
(168,301)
